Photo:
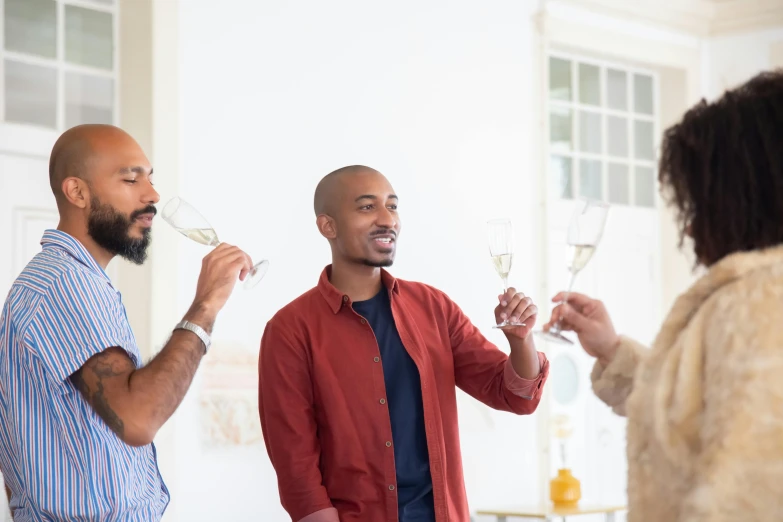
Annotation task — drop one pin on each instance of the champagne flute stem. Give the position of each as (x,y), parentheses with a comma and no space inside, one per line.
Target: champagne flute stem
(570,287)
(565,299)
(505,289)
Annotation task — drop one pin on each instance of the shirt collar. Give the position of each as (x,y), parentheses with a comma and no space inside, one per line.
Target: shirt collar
(336,299)
(74,248)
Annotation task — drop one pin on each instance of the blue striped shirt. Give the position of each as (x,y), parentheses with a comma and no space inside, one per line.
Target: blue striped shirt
(58,457)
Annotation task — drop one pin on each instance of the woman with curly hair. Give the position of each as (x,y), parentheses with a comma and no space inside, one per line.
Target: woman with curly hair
(705,403)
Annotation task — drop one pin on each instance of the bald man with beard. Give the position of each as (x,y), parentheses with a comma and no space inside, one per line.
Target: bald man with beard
(358,376)
(78,411)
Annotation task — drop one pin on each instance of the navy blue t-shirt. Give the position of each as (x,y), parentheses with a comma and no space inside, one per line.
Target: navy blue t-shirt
(403,396)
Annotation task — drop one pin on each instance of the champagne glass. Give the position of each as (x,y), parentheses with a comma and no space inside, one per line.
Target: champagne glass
(584,233)
(187,221)
(500,248)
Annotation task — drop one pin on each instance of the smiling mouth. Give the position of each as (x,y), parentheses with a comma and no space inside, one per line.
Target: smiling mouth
(384,242)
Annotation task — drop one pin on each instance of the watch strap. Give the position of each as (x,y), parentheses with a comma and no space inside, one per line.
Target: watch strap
(196,329)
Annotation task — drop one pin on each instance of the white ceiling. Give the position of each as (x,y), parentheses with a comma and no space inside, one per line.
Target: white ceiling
(699,17)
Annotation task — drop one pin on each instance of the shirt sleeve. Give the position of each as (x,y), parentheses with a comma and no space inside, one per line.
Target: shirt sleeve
(324,515)
(526,388)
(79,317)
(483,371)
(286,409)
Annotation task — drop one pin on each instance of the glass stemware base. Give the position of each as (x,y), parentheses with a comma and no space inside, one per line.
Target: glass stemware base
(507,326)
(553,336)
(256,274)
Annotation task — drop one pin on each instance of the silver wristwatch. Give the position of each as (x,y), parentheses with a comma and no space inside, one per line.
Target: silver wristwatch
(196,329)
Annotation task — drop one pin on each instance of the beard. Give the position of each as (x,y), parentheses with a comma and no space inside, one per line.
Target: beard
(378,264)
(110,229)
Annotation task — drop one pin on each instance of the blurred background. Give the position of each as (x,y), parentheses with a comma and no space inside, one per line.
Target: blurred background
(474,110)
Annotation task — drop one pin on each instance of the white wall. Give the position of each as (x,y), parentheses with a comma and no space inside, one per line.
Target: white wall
(776,54)
(734,59)
(436,96)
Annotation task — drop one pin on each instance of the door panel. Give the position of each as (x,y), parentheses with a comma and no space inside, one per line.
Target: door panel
(623,273)
(27,208)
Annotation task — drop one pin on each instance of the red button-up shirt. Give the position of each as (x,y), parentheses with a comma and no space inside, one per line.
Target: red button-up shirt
(322,400)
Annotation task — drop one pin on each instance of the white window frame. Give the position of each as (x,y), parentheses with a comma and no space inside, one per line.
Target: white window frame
(575,107)
(60,64)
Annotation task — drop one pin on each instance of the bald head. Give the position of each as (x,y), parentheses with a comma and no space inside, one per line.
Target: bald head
(332,187)
(75,148)
(102,181)
(356,210)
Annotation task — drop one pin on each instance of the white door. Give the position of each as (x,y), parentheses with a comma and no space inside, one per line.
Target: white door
(27,206)
(601,127)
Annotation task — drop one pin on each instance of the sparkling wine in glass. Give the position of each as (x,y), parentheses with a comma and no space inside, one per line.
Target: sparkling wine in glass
(187,221)
(584,233)
(500,235)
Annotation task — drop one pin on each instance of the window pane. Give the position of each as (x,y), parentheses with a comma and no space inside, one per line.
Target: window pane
(31,27)
(30,94)
(560,177)
(642,94)
(590,132)
(645,187)
(559,79)
(560,129)
(589,84)
(643,140)
(617,90)
(88,37)
(88,99)
(619,191)
(590,183)
(617,136)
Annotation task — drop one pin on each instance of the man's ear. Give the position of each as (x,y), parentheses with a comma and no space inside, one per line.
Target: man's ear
(76,192)
(326,226)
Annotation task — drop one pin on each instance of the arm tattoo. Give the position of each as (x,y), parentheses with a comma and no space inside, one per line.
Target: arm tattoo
(133,402)
(101,367)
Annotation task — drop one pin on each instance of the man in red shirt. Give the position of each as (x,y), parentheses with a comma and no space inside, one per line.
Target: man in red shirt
(358,376)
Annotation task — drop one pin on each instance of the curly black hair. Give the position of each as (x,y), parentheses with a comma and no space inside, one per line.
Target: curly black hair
(722,167)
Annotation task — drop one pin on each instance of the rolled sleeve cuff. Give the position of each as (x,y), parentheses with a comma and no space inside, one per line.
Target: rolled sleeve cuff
(302,504)
(527,388)
(324,515)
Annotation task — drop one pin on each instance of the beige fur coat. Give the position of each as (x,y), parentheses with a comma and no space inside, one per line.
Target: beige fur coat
(705,404)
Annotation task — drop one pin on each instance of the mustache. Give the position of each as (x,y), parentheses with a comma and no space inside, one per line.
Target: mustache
(149,209)
(384,232)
